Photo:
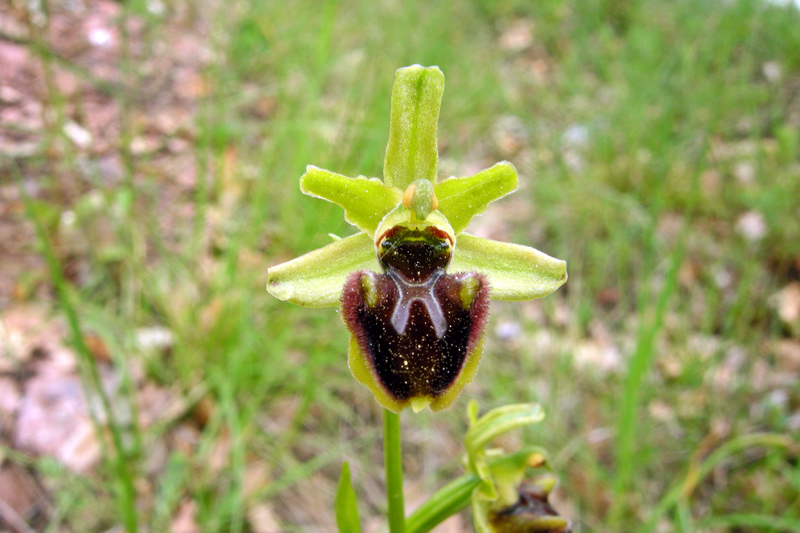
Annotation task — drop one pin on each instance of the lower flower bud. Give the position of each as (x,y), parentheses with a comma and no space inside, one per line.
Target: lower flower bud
(531,514)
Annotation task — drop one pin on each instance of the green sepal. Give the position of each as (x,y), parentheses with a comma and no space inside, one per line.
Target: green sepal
(365,200)
(480,513)
(482,431)
(412,152)
(346,505)
(500,473)
(461,199)
(515,272)
(499,421)
(316,279)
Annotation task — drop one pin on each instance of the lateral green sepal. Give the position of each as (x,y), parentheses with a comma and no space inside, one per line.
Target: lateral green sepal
(412,152)
(515,272)
(461,199)
(365,200)
(316,279)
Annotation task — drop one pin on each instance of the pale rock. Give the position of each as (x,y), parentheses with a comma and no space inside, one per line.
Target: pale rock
(518,36)
(752,226)
(80,136)
(745,172)
(787,303)
(156,7)
(772,71)
(100,37)
(598,357)
(50,414)
(154,338)
(81,451)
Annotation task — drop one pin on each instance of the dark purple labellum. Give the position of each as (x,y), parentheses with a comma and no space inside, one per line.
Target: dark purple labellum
(415,324)
(531,513)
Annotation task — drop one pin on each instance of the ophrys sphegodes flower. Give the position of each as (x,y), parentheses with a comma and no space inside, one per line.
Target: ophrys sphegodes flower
(413,287)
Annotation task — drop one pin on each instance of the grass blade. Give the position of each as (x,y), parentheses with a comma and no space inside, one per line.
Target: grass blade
(346,505)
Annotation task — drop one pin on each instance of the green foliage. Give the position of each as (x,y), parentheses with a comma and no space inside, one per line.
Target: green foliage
(346,506)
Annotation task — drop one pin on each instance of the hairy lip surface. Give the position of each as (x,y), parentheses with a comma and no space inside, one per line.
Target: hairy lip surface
(417,362)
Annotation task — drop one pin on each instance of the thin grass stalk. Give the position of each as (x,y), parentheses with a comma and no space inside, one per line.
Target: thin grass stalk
(127,489)
(643,357)
(126,129)
(53,114)
(683,488)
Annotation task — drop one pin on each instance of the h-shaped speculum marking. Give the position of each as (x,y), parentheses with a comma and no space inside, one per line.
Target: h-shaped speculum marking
(417,292)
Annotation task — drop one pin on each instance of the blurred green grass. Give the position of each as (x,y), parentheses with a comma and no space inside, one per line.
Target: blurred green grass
(643,132)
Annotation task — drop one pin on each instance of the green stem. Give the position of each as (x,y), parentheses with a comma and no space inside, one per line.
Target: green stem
(393,460)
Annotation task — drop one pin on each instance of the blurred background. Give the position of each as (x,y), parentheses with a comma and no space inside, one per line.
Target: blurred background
(151,151)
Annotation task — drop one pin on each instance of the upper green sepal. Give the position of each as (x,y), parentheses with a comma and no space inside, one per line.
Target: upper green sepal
(316,278)
(365,200)
(515,272)
(460,199)
(412,152)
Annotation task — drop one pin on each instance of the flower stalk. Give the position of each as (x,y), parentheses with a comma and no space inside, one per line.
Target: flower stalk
(393,459)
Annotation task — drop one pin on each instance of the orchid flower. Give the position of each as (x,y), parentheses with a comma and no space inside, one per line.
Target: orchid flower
(512,496)
(412,285)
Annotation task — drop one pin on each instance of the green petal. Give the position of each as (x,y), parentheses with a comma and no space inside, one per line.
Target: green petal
(412,152)
(316,279)
(515,272)
(365,201)
(460,199)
